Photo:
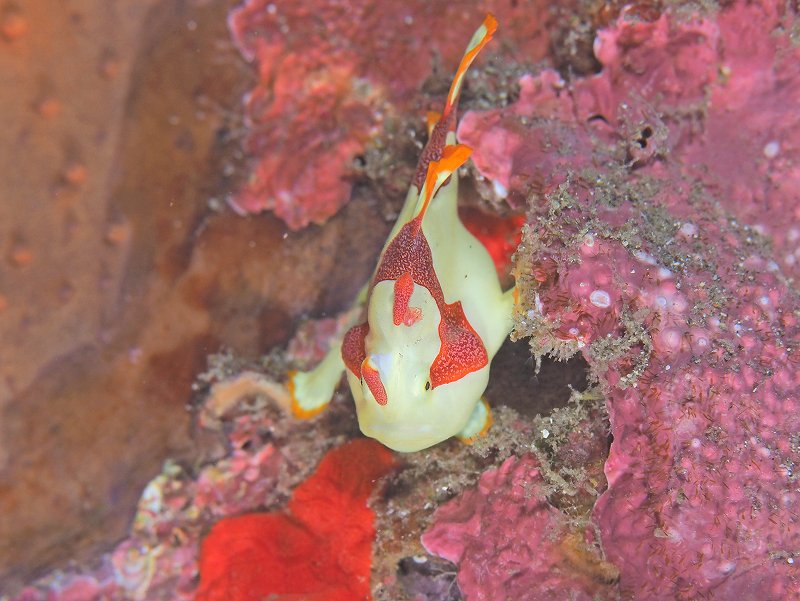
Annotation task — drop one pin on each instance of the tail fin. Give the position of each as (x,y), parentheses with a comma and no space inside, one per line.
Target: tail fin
(479,39)
(453,157)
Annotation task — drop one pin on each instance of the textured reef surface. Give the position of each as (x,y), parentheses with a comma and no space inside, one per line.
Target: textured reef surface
(659,169)
(510,542)
(661,247)
(328,85)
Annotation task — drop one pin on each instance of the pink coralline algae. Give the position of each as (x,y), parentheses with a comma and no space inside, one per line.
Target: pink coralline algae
(663,245)
(331,74)
(510,543)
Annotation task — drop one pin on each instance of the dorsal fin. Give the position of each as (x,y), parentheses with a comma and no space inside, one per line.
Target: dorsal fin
(479,39)
(441,127)
(453,157)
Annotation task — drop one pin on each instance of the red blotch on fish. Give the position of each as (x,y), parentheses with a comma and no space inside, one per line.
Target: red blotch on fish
(319,548)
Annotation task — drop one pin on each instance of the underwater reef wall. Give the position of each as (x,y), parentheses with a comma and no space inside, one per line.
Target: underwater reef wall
(662,245)
(662,193)
(511,543)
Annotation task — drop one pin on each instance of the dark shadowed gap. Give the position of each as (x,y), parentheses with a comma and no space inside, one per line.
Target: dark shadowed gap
(515,383)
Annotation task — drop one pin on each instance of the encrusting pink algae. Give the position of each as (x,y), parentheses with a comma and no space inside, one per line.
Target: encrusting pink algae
(511,543)
(331,76)
(661,245)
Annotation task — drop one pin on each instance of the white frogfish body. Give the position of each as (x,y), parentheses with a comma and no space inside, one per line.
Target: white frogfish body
(436,314)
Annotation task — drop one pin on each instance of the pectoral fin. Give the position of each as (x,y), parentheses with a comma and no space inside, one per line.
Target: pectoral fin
(311,391)
(479,423)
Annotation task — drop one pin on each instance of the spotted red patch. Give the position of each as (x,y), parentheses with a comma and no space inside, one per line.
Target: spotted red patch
(434,148)
(403,289)
(409,253)
(373,379)
(462,350)
(353,351)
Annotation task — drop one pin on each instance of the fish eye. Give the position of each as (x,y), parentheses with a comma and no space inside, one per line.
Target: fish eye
(428,385)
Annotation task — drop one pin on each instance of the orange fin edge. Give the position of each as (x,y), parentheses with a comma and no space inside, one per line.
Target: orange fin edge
(480,38)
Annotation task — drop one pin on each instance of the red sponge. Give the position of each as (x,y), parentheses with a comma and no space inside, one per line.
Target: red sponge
(320,548)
